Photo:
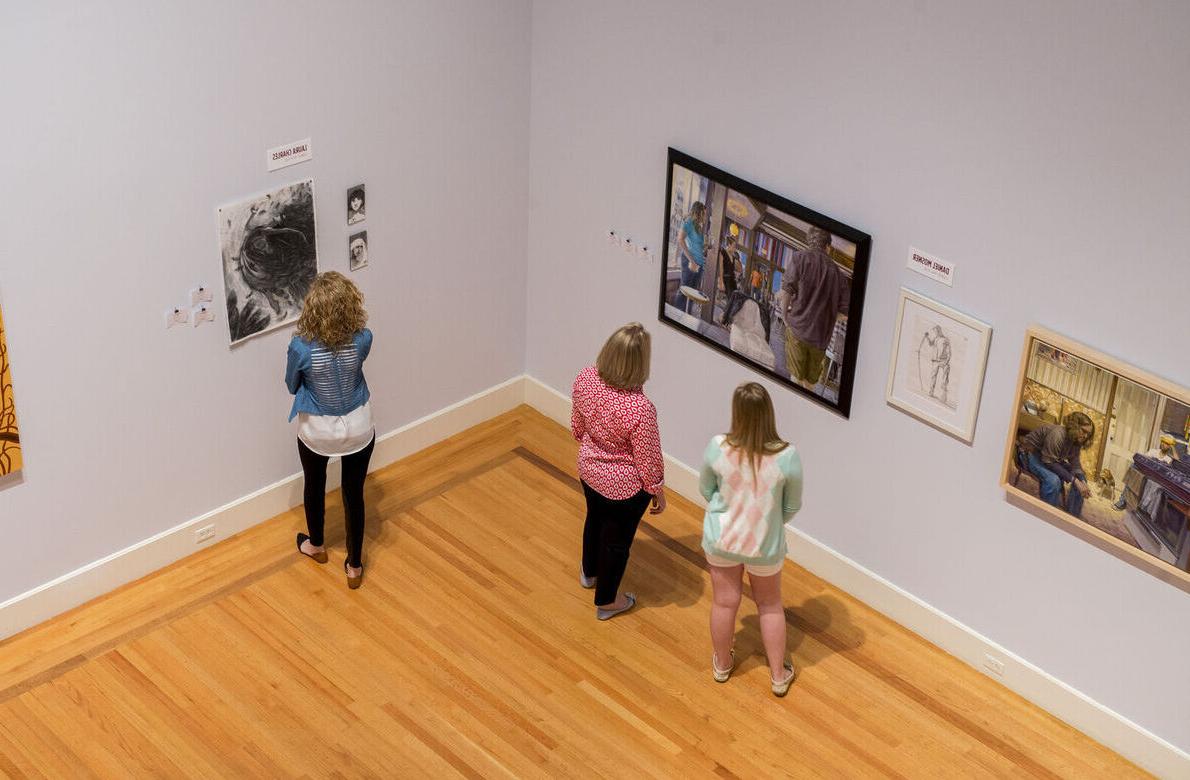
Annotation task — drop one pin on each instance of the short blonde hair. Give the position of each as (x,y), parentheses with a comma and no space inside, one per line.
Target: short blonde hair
(624,360)
(333,311)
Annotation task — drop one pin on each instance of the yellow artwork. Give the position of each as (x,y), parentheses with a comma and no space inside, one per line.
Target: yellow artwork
(10,439)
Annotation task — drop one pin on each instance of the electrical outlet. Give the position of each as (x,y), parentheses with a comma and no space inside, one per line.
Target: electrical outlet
(204,534)
(993,665)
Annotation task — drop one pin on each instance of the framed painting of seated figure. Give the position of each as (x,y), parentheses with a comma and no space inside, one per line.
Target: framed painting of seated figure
(1100,448)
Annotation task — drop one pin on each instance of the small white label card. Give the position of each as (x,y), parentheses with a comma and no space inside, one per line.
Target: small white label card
(176,317)
(201,295)
(934,267)
(203,314)
(289,154)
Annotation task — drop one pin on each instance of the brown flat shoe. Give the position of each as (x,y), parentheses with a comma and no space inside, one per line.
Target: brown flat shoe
(320,557)
(353,582)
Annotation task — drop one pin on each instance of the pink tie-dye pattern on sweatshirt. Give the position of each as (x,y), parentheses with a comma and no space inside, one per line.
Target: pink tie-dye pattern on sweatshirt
(744,524)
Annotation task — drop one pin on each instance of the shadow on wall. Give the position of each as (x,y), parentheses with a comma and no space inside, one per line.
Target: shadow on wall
(12,480)
(1090,534)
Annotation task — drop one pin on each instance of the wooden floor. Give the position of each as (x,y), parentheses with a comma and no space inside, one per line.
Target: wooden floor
(471,651)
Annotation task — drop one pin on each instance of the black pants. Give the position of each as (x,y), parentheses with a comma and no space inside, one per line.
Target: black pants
(607,539)
(736,301)
(355,468)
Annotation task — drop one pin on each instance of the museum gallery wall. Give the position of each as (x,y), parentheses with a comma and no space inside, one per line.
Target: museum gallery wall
(130,429)
(10,437)
(1098,448)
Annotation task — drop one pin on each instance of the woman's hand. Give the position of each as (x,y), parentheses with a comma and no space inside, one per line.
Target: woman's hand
(658,502)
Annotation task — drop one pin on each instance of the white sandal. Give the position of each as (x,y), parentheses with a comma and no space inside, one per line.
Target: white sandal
(722,675)
(781,687)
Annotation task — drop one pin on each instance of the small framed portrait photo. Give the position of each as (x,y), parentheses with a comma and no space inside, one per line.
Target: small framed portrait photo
(357,250)
(356,205)
(939,356)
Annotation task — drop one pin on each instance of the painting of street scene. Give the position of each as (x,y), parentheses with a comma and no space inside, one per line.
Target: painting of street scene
(774,284)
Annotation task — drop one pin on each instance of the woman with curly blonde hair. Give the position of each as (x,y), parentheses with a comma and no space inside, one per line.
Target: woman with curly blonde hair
(325,374)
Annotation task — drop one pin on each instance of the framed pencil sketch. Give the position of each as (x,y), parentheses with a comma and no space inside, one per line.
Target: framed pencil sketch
(763,280)
(939,357)
(1099,449)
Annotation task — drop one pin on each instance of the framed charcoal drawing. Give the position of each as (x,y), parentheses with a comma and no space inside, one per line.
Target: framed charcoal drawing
(270,257)
(1099,448)
(766,281)
(938,361)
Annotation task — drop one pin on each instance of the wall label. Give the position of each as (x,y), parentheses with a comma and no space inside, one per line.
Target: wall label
(934,267)
(289,154)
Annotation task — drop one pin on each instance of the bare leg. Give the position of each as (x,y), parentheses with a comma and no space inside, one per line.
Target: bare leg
(726,588)
(766,591)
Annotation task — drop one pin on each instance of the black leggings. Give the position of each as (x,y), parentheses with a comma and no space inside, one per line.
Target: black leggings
(607,539)
(355,469)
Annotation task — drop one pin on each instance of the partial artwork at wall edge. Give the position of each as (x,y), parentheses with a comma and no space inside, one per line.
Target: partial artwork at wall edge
(766,281)
(10,437)
(1101,448)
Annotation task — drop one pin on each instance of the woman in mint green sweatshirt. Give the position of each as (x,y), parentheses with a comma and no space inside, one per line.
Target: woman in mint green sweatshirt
(752,481)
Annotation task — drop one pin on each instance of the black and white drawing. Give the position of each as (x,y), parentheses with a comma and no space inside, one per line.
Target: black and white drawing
(938,361)
(940,352)
(357,249)
(270,258)
(356,205)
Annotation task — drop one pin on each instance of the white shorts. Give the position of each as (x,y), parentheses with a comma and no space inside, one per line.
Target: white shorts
(755,569)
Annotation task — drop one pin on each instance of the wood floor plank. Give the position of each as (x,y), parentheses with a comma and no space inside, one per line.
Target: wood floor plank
(472,652)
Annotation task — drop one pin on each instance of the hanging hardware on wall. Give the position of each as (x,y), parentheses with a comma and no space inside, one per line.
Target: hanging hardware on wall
(176,317)
(626,243)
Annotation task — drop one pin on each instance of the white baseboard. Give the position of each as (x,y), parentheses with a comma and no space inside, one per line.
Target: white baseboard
(121,567)
(1047,692)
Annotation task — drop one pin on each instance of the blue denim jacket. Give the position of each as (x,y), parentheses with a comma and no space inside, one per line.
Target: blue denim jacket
(327,381)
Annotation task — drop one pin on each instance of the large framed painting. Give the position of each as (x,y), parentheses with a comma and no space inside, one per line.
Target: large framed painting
(763,280)
(1099,448)
(936,371)
(270,258)
(10,435)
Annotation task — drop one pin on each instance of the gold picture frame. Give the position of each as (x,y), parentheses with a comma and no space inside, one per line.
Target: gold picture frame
(1124,431)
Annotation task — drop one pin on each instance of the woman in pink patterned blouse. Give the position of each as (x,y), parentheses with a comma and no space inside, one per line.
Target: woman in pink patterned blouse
(619,461)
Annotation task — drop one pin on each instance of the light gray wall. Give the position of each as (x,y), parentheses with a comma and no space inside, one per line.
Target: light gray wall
(125,125)
(1041,147)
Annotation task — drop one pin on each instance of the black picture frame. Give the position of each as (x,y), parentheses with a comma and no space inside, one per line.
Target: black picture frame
(768,243)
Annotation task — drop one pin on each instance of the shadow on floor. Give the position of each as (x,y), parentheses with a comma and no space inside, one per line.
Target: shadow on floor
(661,573)
(376,530)
(824,619)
